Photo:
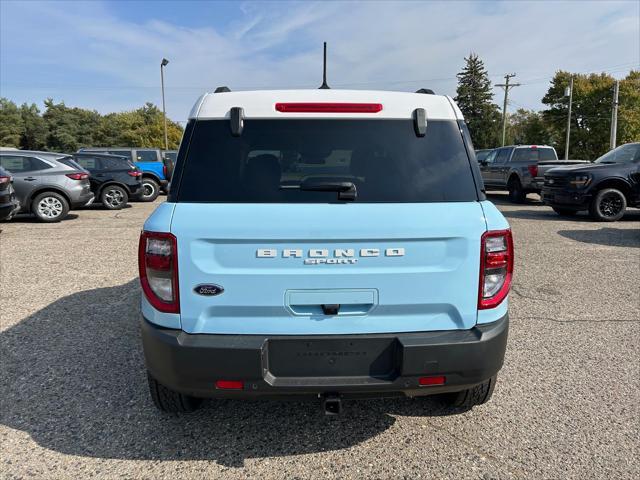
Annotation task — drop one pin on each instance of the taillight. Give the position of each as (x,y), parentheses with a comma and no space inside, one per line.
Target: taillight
(496,268)
(319,107)
(158,267)
(78,176)
(164,171)
(533,170)
(4,180)
(134,173)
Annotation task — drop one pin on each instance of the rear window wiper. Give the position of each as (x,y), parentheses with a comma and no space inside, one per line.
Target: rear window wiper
(346,190)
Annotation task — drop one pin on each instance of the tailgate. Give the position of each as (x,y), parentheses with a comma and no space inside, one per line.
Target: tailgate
(385,267)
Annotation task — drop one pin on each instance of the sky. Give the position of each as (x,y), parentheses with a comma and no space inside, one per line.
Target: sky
(105,55)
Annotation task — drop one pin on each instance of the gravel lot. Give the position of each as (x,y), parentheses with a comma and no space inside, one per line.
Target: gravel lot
(74,400)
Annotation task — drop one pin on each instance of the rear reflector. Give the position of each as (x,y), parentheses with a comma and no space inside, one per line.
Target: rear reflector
(229,384)
(329,107)
(435,380)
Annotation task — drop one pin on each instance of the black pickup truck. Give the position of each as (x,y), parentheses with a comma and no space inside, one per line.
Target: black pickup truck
(605,187)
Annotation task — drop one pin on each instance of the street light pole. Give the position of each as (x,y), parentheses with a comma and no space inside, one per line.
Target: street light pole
(614,115)
(163,64)
(566,147)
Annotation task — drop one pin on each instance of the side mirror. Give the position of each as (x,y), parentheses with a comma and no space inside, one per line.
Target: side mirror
(484,163)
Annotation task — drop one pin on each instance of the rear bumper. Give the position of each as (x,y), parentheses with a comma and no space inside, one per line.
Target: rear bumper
(83,200)
(349,365)
(8,209)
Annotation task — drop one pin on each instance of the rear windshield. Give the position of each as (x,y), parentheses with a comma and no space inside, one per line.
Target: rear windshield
(482,154)
(384,159)
(534,154)
(70,162)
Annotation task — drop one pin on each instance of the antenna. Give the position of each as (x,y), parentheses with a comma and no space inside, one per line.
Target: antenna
(324,85)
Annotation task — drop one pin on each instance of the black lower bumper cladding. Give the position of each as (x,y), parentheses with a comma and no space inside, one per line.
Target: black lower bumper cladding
(349,365)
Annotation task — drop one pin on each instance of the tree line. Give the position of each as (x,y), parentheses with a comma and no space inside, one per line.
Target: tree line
(66,129)
(590,114)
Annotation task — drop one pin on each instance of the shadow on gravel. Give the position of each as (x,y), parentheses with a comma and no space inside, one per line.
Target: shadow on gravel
(28,218)
(613,237)
(100,206)
(503,199)
(74,380)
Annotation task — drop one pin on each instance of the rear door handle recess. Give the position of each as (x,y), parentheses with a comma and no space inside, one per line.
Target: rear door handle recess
(331,302)
(30,179)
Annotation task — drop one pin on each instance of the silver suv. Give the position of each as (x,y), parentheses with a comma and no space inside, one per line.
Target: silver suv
(46,187)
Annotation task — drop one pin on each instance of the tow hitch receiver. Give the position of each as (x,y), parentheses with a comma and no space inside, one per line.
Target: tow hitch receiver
(332,404)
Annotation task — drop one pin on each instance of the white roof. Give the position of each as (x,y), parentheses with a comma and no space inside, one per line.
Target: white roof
(261,104)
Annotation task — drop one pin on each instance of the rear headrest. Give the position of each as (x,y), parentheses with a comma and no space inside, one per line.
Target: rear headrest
(265,166)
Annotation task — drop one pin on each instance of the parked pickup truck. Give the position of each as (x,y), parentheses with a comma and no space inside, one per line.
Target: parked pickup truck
(519,169)
(605,187)
(155,169)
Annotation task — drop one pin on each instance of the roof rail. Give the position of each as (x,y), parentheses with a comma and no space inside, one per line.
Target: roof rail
(222,90)
(428,91)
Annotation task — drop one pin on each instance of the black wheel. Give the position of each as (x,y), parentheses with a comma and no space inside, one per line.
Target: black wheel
(170,401)
(516,193)
(564,212)
(608,205)
(150,190)
(473,396)
(114,197)
(50,207)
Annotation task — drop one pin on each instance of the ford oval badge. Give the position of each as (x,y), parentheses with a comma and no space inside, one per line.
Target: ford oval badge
(208,290)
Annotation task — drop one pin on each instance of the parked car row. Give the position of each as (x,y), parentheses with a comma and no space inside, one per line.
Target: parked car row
(48,184)
(156,166)
(604,188)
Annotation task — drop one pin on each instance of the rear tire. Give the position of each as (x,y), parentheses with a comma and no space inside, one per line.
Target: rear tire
(150,190)
(608,205)
(114,197)
(50,207)
(565,212)
(516,193)
(472,396)
(170,401)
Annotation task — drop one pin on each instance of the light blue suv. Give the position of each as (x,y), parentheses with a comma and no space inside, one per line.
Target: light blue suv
(329,244)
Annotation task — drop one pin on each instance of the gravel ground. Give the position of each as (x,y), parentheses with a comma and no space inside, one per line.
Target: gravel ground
(74,400)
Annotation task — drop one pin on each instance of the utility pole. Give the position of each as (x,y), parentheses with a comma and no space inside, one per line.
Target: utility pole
(570,93)
(614,115)
(506,87)
(163,64)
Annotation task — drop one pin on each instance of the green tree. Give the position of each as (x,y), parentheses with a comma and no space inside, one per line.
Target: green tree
(629,109)
(69,128)
(528,127)
(34,136)
(11,126)
(143,127)
(591,112)
(474,97)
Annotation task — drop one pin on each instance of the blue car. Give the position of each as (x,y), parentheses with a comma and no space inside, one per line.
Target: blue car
(329,244)
(155,172)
